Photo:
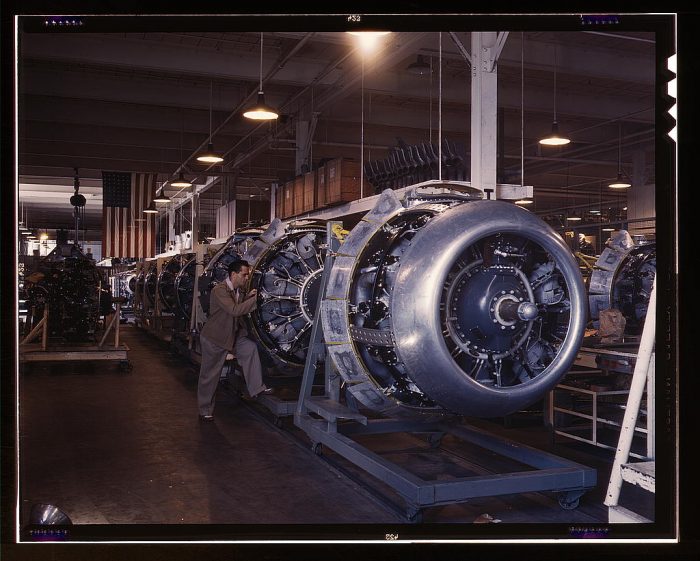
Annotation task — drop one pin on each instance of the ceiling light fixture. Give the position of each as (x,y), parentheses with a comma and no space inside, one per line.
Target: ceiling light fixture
(419,66)
(162,198)
(369,33)
(151,209)
(261,111)
(181,181)
(619,182)
(524,202)
(368,40)
(209,156)
(555,139)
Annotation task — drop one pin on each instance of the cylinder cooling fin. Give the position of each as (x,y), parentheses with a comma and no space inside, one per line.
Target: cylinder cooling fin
(216,269)
(288,266)
(150,281)
(184,287)
(167,290)
(474,307)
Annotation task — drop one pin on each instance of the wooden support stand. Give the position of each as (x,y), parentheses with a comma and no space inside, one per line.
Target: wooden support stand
(41,352)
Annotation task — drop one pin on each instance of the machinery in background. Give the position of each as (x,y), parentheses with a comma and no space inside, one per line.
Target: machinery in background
(168,289)
(407,165)
(123,285)
(67,281)
(184,287)
(622,279)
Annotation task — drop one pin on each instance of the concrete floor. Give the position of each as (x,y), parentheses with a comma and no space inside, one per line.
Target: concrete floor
(112,448)
(119,448)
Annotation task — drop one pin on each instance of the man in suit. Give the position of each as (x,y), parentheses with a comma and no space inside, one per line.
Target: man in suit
(224,332)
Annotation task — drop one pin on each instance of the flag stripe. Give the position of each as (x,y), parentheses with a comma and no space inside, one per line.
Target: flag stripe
(123,234)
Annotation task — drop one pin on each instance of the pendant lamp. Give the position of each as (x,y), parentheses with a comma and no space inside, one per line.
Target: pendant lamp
(261,111)
(619,182)
(555,138)
(209,156)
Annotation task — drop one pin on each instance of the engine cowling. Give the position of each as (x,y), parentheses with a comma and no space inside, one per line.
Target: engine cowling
(452,304)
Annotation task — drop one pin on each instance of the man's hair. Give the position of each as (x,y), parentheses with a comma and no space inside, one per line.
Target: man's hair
(235,266)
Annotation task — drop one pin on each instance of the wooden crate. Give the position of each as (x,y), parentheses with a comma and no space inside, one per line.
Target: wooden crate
(288,196)
(298,195)
(342,181)
(309,191)
(321,187)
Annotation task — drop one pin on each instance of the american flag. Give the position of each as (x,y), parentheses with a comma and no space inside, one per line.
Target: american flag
(126,230)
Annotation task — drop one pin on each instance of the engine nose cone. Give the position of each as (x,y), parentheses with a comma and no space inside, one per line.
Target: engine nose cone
(527,311)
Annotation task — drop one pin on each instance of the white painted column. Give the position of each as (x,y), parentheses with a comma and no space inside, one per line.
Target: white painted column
(195,218)
(171,226)
(484,118)
(273,200)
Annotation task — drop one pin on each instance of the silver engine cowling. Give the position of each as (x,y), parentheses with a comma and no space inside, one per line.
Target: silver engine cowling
(452,304)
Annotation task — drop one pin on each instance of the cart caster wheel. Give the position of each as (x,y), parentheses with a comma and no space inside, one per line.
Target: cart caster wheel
(317,448)
(125,366)
(414,515)
(567,503)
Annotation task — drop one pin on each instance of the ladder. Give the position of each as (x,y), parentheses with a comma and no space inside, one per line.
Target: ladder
(641,474)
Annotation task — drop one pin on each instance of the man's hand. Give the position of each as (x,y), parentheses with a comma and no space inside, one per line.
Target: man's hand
(253,292)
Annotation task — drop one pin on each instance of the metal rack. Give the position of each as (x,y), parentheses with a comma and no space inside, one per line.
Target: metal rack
(329,422)
(598,408)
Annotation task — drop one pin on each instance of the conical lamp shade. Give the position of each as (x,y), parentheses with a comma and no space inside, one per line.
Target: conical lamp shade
(419,67)
(555,139)
(209,156)
(620,183)
(181,182)
(162,198)
(261,111)
(151,209)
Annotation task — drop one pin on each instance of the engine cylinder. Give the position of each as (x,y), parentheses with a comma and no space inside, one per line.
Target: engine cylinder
(457,305)
(184,287)
(623,279)
(288,266)
(167,289)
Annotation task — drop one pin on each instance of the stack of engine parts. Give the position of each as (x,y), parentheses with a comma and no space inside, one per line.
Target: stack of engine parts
(622,280)
(408,165)
(68,282)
